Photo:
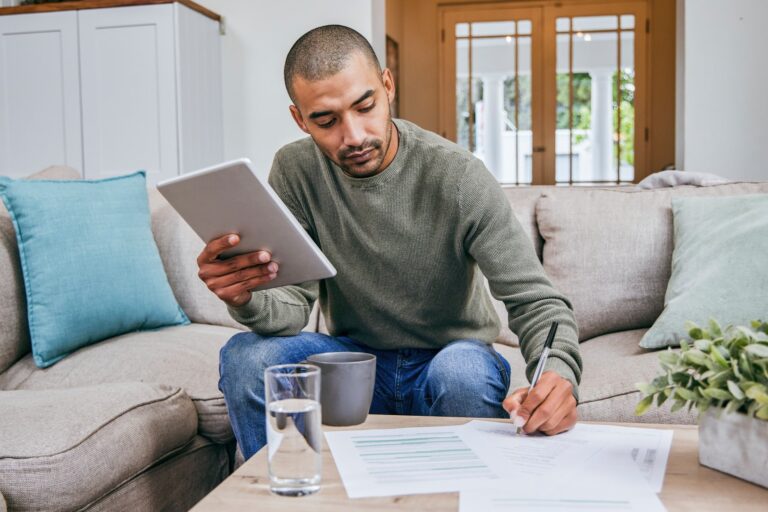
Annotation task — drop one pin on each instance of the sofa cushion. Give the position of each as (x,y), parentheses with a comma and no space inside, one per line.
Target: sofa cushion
(718,266)
(177,483)
(179,247)
(90,264)
(613,365)
(183,356)
(60,449)
(14,335)
(609,251)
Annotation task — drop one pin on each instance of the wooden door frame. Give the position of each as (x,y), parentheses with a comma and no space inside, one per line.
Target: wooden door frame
(543,61)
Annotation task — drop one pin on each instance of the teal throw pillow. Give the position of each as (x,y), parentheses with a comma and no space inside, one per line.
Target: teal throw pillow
(90,263)
(719,266)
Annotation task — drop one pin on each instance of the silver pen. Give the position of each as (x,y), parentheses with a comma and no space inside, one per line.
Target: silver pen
(542,362)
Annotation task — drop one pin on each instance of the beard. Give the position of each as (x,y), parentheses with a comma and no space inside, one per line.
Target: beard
(371,155)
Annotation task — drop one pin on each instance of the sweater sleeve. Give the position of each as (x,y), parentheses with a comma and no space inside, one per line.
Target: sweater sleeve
(282,311)
(494,238)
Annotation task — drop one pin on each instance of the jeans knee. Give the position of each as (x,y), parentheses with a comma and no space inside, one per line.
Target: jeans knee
(247,354)
(466,367)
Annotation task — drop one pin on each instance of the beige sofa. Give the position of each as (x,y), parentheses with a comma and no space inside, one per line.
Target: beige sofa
(137,422)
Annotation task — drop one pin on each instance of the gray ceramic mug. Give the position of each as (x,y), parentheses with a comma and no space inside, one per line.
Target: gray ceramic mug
(346,389)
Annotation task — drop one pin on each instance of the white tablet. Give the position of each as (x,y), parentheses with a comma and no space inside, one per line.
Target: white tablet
(231,198)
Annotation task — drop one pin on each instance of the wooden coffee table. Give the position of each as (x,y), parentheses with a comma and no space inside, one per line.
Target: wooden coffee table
(687,485)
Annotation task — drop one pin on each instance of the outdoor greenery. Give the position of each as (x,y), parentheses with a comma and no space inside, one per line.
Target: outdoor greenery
(723,368)
(627,128)
(582,108)
(582,101)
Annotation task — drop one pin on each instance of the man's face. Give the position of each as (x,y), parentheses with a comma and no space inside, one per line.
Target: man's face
(348,117)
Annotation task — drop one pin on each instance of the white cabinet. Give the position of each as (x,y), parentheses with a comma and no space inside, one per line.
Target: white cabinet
(39,93)
(111,91)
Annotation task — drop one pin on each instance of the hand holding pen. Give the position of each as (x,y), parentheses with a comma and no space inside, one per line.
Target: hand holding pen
(547,405)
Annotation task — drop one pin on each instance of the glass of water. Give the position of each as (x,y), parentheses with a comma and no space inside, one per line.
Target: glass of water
(294,437)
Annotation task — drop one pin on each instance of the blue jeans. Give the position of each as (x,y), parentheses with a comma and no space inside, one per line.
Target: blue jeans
(465,378)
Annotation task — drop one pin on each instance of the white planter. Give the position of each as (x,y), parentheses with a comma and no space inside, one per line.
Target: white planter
(735,444)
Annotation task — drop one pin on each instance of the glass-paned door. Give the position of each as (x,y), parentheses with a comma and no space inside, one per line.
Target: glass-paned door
(547,95)
(493,90)
(595,80)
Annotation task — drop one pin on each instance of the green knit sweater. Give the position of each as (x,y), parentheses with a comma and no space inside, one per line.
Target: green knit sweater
(409,245)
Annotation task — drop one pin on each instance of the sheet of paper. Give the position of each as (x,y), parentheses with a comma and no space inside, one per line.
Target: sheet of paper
(587,453)
(649,447)
(551,498)
(406,461)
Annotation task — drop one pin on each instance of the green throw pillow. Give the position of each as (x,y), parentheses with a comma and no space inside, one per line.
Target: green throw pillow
(719,266)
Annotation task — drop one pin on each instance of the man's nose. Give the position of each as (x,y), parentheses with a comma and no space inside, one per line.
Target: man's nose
(354,134)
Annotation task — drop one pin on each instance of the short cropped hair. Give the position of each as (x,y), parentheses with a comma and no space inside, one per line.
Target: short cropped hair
(324,51)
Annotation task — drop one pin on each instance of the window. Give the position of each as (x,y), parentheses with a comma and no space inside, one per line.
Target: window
(551,94)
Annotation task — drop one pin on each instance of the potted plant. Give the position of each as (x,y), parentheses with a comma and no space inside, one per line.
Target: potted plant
(724,374)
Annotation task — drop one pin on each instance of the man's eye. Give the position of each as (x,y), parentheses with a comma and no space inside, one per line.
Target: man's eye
(368,108)
(327,124)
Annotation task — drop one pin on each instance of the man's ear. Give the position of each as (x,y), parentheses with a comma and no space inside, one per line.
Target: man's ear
(296,115)
(389,84)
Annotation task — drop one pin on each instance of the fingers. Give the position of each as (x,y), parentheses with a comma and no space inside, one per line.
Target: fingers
(535,399)
(243,274)
(215,247)
(239,293)
(553,405)
(550,407)
(233,279)
(512,405)
(566,423)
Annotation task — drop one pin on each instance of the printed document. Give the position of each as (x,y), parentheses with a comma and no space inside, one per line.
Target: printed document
(556,498)
(406,461)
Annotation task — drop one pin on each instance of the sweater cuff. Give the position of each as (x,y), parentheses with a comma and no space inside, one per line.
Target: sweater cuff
(564,370)
(247,313)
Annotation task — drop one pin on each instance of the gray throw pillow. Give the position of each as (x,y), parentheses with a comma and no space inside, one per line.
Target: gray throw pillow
(719,266)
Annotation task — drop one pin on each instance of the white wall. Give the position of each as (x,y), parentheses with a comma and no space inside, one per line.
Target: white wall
(725,100)
(259,34)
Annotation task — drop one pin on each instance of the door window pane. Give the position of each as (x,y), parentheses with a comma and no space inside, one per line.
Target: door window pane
(595,104)
(583,23)
(494,118)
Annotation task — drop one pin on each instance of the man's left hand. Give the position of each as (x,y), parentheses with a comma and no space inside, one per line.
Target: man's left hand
(549,408)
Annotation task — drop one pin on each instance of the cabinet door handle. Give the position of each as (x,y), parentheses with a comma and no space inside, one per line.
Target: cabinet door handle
(539,149)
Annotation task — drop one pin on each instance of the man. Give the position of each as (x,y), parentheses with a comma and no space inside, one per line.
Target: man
(410,221)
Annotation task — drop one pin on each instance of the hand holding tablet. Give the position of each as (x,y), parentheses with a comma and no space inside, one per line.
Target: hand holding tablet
(269,249)
(232,280)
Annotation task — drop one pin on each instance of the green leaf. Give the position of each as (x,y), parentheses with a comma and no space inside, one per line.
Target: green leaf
(762,412)
(746,332)
(643,406)
(735,390)
(685,394)
(714,328)
(759,393)
(703,345)
(660,399)
(669,357)
(646,389)
(717,357)
(757,349)
(717,394)
(697,357)
(679,404)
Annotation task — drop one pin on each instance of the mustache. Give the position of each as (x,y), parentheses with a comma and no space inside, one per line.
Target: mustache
(343,154)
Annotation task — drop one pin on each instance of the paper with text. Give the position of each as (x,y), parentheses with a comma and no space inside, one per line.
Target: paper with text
(406,461)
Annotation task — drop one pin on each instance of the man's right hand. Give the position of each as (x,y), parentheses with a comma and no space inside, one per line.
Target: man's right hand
(233,279)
